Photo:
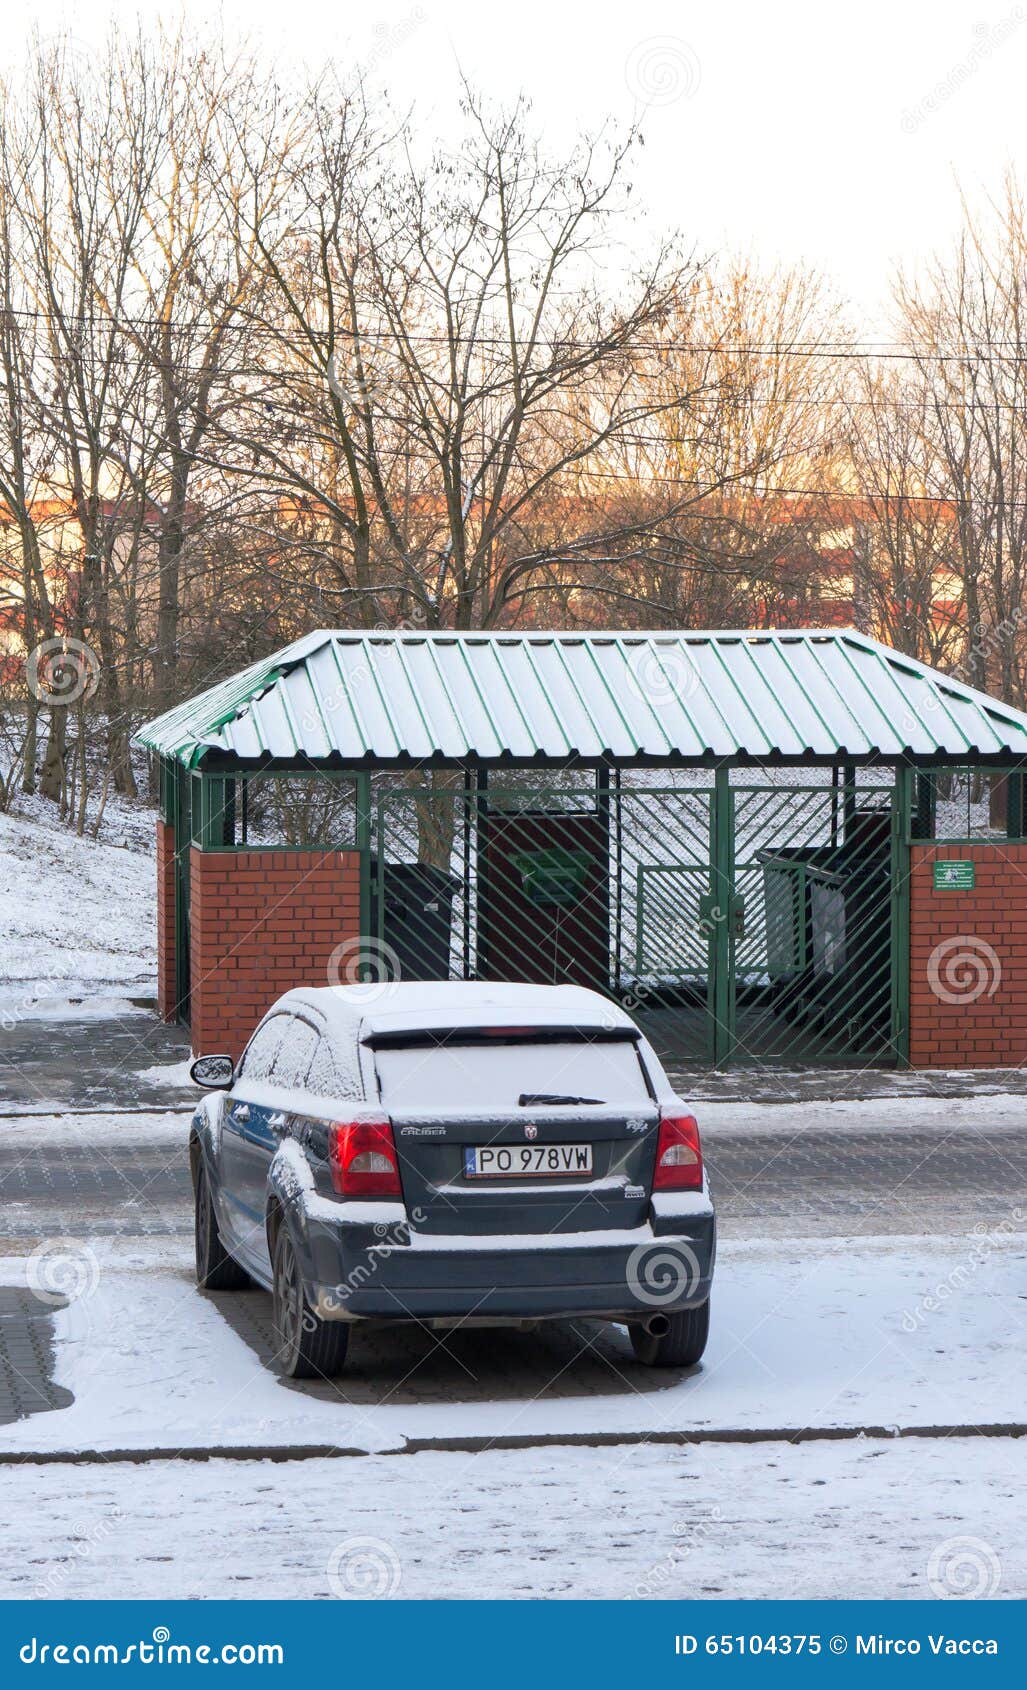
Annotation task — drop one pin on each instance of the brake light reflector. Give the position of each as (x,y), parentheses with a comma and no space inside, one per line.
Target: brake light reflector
(363,1159)
(678,1155)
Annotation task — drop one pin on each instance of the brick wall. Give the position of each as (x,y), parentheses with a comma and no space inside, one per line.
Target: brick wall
(968,960)
(261,922)
(165,920)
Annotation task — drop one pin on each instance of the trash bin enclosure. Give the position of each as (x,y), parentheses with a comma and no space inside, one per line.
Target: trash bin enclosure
(732,834)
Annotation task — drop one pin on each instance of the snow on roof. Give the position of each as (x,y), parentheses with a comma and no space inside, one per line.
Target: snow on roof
(350,698)
(402,1004)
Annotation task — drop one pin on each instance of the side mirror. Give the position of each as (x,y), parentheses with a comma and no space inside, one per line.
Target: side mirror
(214,1073)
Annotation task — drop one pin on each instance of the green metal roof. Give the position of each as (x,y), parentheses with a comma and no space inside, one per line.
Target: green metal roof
(356,699)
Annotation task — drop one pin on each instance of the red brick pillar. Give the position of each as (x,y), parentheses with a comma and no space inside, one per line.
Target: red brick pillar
(166,993)
(261,922)
(968,957)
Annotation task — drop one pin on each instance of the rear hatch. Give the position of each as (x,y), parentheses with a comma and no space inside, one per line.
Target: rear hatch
(519,1130)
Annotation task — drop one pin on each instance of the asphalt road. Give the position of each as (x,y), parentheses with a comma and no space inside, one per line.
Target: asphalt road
(818,1184)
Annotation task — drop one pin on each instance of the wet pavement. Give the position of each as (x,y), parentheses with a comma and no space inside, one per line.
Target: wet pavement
(60,1063)
(56,1063)
(26,1355)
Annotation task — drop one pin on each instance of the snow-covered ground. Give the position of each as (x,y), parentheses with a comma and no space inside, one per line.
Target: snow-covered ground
(78,913)
(997,1112)
(914,1519)
(893,1333)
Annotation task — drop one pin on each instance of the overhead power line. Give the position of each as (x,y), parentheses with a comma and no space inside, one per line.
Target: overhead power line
(855,350)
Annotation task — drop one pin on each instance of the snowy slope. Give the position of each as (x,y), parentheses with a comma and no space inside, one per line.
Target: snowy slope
(77,913)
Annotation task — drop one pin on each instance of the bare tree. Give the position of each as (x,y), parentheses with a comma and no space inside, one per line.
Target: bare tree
(968,339)
(449,361)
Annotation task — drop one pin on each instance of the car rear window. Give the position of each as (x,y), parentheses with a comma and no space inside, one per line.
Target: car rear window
(495,1073)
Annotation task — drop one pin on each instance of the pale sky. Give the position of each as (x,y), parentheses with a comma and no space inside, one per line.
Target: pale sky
(792,129)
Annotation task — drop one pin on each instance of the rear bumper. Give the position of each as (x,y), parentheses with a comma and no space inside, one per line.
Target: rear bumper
(365,1270)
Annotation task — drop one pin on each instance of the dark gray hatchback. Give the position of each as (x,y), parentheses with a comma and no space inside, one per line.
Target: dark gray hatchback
(452,1154)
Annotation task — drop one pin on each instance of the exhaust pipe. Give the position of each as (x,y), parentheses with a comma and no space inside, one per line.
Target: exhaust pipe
(657,1326)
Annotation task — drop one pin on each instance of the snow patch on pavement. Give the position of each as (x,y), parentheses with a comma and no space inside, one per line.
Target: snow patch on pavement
(997,1112)
(168,1127)
(174,1074)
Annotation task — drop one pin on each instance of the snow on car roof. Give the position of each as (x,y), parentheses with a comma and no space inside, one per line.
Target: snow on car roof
(398,1005)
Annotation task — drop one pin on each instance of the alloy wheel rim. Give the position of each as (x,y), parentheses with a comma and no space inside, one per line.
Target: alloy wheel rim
(202,1223)
(288,1309)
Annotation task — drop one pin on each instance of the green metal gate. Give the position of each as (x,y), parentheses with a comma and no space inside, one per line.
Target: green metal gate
(807,954)
(736,921)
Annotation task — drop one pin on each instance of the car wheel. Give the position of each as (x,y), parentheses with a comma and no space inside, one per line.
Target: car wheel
(216,1270)
(307,1347)
(681,1346)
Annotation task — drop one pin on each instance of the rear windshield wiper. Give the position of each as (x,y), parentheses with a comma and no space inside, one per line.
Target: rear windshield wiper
(537,1099)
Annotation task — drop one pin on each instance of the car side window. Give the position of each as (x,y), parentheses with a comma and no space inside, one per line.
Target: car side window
(263,1048)
(322,1075)
(294,1055)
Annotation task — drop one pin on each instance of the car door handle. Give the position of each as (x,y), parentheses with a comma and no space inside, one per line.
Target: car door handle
(276,1123)
(242,1112)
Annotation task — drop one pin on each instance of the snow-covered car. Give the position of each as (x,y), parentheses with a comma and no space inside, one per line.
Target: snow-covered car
(452,1153)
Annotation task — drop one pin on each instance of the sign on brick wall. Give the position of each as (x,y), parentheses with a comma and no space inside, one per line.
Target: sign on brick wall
(954,876)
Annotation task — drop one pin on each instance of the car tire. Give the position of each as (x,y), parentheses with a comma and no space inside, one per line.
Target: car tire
(216,1270)
(306,1347)
(681,1346)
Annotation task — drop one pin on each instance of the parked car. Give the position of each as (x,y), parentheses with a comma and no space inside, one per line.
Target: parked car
(452,1153)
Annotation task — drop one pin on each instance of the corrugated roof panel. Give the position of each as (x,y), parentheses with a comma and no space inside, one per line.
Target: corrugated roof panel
(511,723)
(856,682)
(381,698)
(615,727)
(908,700)
(825,712)
(768,683)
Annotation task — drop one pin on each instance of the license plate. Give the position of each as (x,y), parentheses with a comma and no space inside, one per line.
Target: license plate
(527,1161)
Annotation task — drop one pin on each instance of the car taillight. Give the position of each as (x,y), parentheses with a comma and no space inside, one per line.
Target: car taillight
(363,1159)
(678,1155)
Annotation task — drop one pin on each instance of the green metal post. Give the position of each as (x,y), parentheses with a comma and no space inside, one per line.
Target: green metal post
(924,805)
(720,937)
(1016,792)
(603,812)
(215,813)
(182,820)
(902,834)
(481,834)
(468,865)
(363,840)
